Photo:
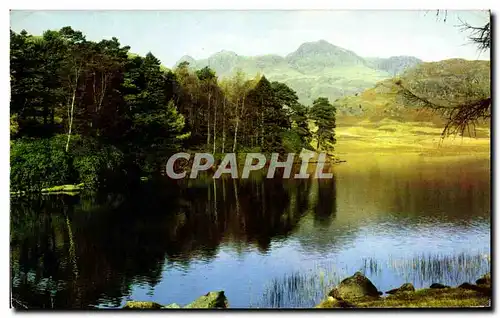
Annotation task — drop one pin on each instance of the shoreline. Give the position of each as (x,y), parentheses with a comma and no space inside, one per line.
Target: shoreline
(358,291)
(354,292)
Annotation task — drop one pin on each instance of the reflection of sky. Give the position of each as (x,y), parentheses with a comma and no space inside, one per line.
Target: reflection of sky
(244,277)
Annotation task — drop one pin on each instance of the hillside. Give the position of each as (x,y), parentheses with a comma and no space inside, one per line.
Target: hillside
(382,120)
(314,69)
(446,83)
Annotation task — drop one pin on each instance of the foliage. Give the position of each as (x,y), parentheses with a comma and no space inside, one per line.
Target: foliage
(123,114)
(95,164)
(39,163)
(14,125)
(323,115)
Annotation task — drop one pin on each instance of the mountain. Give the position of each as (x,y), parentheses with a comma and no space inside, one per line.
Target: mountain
(394,65)
(315,69)
(314,57)
(445,83)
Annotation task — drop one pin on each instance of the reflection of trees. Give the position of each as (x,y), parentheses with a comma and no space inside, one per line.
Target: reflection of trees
(326,205)
(70,252)
(245,211)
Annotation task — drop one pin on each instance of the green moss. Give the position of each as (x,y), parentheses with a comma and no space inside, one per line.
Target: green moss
(65,188)
(210,300)
(437,298)
(142,305)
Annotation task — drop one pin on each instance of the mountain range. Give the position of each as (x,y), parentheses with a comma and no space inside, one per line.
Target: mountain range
(315,69)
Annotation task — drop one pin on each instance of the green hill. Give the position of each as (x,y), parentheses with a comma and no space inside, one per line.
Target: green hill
(445,83)
(315,69)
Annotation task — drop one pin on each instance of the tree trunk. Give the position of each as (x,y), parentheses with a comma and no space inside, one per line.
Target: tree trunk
(223,124)
(71,115)
(262,123)
(215,124)
(238,115)
(236,128)
(208,124)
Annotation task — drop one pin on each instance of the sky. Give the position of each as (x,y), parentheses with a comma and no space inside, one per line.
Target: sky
(169,35)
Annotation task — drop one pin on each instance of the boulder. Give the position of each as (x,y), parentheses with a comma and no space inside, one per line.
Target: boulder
(210,300)
(142,305)
(438,286)
(331,302)
(407,287)
(468,286)
(215,299)
(484,280)
(356,286)
(484,289)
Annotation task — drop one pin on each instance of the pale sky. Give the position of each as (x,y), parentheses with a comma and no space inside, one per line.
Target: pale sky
(171,34)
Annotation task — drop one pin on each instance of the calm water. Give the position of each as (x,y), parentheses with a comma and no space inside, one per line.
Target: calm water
(270,243)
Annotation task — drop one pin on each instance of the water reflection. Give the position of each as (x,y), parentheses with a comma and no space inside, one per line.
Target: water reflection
(79,252)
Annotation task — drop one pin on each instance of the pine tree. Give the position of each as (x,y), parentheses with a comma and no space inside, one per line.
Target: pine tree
(323,114)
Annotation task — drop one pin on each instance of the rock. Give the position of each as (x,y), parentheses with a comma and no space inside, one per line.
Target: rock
(356,286)
(331,302)
(484,289)
(172,306)
(484,280)
(142,305)
(408,287)
(210,300)
(468,286)
(438,286)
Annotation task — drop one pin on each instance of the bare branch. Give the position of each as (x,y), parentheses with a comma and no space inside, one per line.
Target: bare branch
(481,36)
(459,117)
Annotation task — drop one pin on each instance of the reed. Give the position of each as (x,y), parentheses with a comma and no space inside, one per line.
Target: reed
(301,289)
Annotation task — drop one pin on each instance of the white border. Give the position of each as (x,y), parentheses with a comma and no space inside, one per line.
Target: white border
(186,5)
(254,5)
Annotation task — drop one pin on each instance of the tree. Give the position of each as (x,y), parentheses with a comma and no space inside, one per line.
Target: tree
(323,115)
(187,100)
(208,82)
(33,81)
(157,128)
(295,113)
(269,103)
(109,111)
(239,90)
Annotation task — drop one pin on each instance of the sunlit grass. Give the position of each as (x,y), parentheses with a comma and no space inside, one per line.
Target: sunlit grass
(418,138)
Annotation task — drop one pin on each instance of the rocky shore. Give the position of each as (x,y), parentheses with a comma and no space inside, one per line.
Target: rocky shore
(215,299)
(358,291)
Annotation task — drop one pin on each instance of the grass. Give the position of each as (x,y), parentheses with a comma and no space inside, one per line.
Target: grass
(434,298)
(70,189)
(416,138)
(64,188)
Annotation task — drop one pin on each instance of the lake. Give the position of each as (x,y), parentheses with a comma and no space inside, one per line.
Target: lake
(266,243)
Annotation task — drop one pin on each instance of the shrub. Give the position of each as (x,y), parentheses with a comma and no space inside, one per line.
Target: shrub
(95,164)
(39,163)
(42,163)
